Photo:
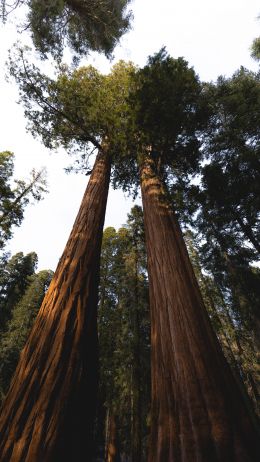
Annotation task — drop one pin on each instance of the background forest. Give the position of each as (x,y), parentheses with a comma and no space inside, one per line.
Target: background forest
(201,141)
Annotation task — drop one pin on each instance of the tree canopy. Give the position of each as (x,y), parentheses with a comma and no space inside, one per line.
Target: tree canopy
(160,106)
(82,25)
(169,112)
(79,110)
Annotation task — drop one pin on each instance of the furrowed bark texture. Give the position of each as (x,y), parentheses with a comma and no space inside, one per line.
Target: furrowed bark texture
(198,412)
(49,410)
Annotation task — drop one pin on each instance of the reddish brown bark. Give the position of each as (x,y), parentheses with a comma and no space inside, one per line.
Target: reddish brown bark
(49,410)
(198,411)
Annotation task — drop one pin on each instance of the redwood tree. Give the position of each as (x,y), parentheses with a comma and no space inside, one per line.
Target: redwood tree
(48,412)
(198,410)
(83,110)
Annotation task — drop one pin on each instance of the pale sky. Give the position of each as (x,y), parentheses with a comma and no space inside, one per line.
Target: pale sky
(213,36)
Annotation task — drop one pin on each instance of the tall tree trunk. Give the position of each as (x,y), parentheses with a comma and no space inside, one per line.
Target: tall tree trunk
(49,410)
(198,411)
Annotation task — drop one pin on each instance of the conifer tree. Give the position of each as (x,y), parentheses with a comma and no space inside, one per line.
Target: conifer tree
(23,314)
(64,336)
(51,402)
(15,197)
(69,434)
(15,275)
(198,409)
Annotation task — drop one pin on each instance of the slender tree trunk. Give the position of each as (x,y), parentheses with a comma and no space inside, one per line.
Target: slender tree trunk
(136,422)
(255,390)
(49,410)
(248,377)
(256,329)
(242,376)
(241,296)
(198,411)
(112,454)
(136,382)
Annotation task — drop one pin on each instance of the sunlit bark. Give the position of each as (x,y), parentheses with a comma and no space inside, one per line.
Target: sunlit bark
(49,410)
(198,411)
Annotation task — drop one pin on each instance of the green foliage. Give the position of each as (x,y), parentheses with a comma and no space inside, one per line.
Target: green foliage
(255,49)
(124,329)
(14,279)
(168,106)
(224,206)
(230,288)
(229,193)
(231,326)
(80,110)
(15,195)
(24,311)
(83,25)
(235,107)
(159,109)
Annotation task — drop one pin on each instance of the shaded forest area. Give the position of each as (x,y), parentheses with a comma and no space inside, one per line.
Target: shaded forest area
(144,343)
